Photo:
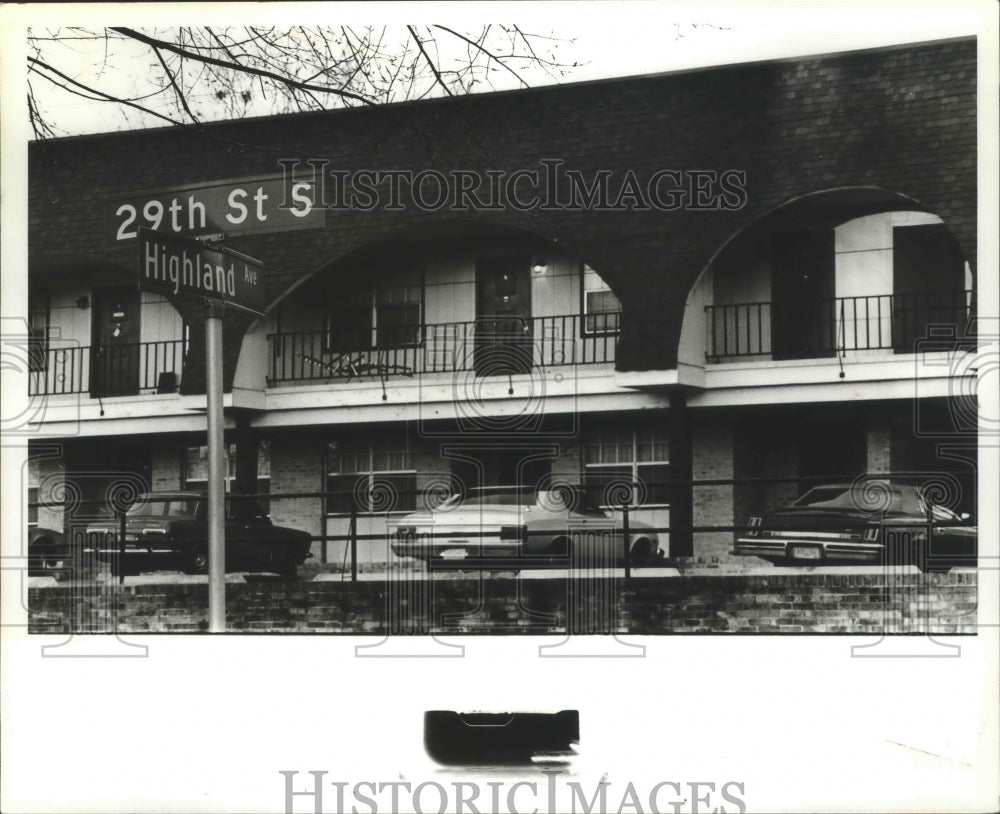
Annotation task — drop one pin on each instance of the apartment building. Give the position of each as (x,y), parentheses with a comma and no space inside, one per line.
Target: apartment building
(696,293)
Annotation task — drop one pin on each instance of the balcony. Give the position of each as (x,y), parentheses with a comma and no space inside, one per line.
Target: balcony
(488,346)
(105,371)
(883,322)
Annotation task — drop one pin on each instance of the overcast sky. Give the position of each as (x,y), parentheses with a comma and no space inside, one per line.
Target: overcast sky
(608,39)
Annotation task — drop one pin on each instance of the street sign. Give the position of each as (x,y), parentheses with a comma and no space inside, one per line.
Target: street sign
(181,266)
(243,207)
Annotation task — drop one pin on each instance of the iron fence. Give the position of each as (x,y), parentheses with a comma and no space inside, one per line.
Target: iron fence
(446,347)
(831,326)
(109,370)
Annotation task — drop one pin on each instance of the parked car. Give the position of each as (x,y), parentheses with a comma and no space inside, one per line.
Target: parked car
(48,552)
(170,530)
(524,525)
(876,521)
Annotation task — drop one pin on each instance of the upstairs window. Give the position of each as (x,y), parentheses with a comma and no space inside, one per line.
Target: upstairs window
(601,308)
(387,314)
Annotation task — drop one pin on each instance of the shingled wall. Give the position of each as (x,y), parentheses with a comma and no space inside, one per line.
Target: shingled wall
(902,119)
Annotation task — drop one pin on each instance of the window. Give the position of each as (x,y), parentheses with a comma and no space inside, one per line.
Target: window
(196,469)
(38,330)
(385,315)
(371,478)
(601,308)
(621,458)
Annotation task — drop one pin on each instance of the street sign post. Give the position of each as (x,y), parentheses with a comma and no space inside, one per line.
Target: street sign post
(183,267)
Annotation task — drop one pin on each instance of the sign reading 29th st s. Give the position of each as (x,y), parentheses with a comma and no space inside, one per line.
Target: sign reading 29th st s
(252,206)
(180,266)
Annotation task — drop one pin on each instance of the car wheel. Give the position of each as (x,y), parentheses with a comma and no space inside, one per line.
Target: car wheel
(289,569)
(41,557)
(197,562)
(559,549)
(641,553)
(121,569)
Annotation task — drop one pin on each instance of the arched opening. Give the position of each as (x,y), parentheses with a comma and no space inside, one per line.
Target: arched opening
(844,272)
(456,297)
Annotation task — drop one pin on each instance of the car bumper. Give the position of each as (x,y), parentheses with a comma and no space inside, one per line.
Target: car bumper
(454,547)
(805,551)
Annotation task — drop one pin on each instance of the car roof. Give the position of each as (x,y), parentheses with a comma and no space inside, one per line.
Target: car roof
(862,482)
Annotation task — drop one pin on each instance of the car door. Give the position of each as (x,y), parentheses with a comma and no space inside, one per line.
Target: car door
(250,538)
(952,539)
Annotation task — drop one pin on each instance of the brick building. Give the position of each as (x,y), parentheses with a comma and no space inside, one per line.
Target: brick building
(718,275)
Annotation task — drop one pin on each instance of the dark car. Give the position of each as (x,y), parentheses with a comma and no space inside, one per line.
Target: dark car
(874,521)
(48,552)
(170,530)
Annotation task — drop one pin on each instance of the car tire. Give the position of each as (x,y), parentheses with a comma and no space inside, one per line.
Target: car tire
(41,556)
(289,569)
(197,561)
(558,549)
(641,554)
(121,570)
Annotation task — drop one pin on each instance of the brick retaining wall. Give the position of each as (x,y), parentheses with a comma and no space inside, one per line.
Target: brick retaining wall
(782,603)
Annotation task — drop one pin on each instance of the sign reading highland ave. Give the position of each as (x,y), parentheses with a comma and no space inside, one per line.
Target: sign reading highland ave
(180,266)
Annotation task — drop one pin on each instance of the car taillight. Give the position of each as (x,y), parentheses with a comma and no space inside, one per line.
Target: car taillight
(514,533)
(753,526)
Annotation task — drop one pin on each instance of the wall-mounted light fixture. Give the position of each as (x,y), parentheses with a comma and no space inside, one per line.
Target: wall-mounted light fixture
(83,303)
(539,266)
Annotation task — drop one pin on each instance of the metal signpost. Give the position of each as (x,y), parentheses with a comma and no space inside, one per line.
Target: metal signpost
(220,277)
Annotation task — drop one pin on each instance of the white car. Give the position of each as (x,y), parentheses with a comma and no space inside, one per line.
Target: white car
(523,526)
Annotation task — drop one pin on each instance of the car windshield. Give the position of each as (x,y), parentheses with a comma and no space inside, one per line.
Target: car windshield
(876,497)
(559,498)
(245,509)
(164,506)
(498,496)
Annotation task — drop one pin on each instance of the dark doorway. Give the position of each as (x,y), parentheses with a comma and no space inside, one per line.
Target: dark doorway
(106,476)
(501,466)
(928,283)
(831,449)
(802,295)
(503,315)
(114,353)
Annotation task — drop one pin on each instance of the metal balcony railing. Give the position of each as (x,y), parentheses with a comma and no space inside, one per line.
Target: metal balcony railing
(832,326)
(109,370)
(489,346)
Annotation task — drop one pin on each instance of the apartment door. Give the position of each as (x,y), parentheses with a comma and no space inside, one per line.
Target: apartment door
(928,283)
(503,315)
(114,353)
(803,320)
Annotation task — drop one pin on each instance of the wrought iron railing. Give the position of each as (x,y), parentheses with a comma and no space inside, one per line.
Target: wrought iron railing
(109,370)
(841,325)
(490,346)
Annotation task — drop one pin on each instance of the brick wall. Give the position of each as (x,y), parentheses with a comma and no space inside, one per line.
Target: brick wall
(799,603)
(712,458)
(167,466)
(879,444)
(297,466)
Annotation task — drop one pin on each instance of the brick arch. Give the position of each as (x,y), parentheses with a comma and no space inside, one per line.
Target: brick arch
(820,209)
